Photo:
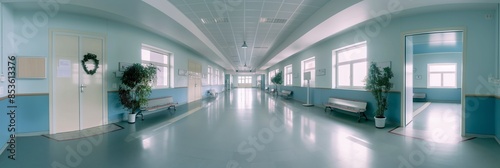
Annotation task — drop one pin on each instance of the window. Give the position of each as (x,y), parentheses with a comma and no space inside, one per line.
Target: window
(288,75)
(209,75)
(442,75)
(244,79)
(309,65)
(350,66)
(162,60)
(216,77)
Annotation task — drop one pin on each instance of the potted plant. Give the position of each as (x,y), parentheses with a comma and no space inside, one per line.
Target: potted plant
(378,82)
(277,80)
(136,88)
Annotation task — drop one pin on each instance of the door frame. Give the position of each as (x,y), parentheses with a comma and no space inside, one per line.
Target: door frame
(464,53)
(53,69)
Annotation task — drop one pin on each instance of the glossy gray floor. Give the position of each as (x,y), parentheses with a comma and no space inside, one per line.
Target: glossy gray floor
(248,128)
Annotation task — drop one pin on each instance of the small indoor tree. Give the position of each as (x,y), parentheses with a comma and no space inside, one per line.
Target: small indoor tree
(136,87)
(379,84)
(277,80)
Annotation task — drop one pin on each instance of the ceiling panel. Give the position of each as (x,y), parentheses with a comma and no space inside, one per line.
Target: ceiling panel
(261,23)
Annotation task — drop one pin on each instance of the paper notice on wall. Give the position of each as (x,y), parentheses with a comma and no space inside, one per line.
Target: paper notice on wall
(64,69)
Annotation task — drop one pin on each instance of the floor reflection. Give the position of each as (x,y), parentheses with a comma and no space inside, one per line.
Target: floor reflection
(437,122)
(245,98)
(308,129)
(288,118)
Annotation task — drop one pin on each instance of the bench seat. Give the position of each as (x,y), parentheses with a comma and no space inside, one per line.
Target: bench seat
(157,104)
(212,93)
(419,95)
(347,105)
(286,93)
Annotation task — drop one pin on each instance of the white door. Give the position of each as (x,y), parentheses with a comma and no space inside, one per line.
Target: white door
(194,83)
(77,98)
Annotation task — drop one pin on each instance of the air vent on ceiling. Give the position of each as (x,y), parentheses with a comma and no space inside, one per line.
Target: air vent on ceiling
(214,20)
(272,20)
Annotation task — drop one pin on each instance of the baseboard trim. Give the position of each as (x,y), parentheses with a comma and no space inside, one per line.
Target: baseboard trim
(498,140)
(29,134)
(480,135)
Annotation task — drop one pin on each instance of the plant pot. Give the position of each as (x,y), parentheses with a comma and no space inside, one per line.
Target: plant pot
(131,118)
(379,122)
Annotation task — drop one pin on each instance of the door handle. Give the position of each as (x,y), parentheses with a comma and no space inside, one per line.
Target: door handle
(81,87)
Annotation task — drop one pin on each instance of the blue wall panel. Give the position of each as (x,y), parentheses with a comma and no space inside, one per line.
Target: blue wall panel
(497,118)
(319,96)
(32,113)
(441,95)
(479,115)
(4,120)
(116,110)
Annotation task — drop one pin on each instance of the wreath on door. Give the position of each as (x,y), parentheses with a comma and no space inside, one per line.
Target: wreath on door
(88,57)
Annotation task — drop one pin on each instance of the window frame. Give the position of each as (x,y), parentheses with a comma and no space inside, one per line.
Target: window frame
(169,65)
(455,72)
(216,77)
(244,79)
(312,82)
(336,64)
(209,75)
(288,75)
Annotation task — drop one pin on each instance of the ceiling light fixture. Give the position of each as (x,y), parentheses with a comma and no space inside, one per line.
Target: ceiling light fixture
(244,45)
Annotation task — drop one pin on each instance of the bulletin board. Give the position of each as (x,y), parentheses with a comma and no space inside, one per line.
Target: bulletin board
(31,67)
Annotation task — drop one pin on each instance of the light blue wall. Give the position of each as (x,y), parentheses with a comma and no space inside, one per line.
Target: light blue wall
(385,44)
(123,45)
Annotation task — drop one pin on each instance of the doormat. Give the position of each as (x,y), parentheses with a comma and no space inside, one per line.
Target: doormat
(429,135)
(84,133)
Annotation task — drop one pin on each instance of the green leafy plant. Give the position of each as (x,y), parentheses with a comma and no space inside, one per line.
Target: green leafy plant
(136,86)
(378,82)
(277,79)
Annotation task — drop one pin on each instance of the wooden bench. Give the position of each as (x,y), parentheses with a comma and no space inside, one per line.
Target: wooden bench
(347,105)
(286,93)
(157,104)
